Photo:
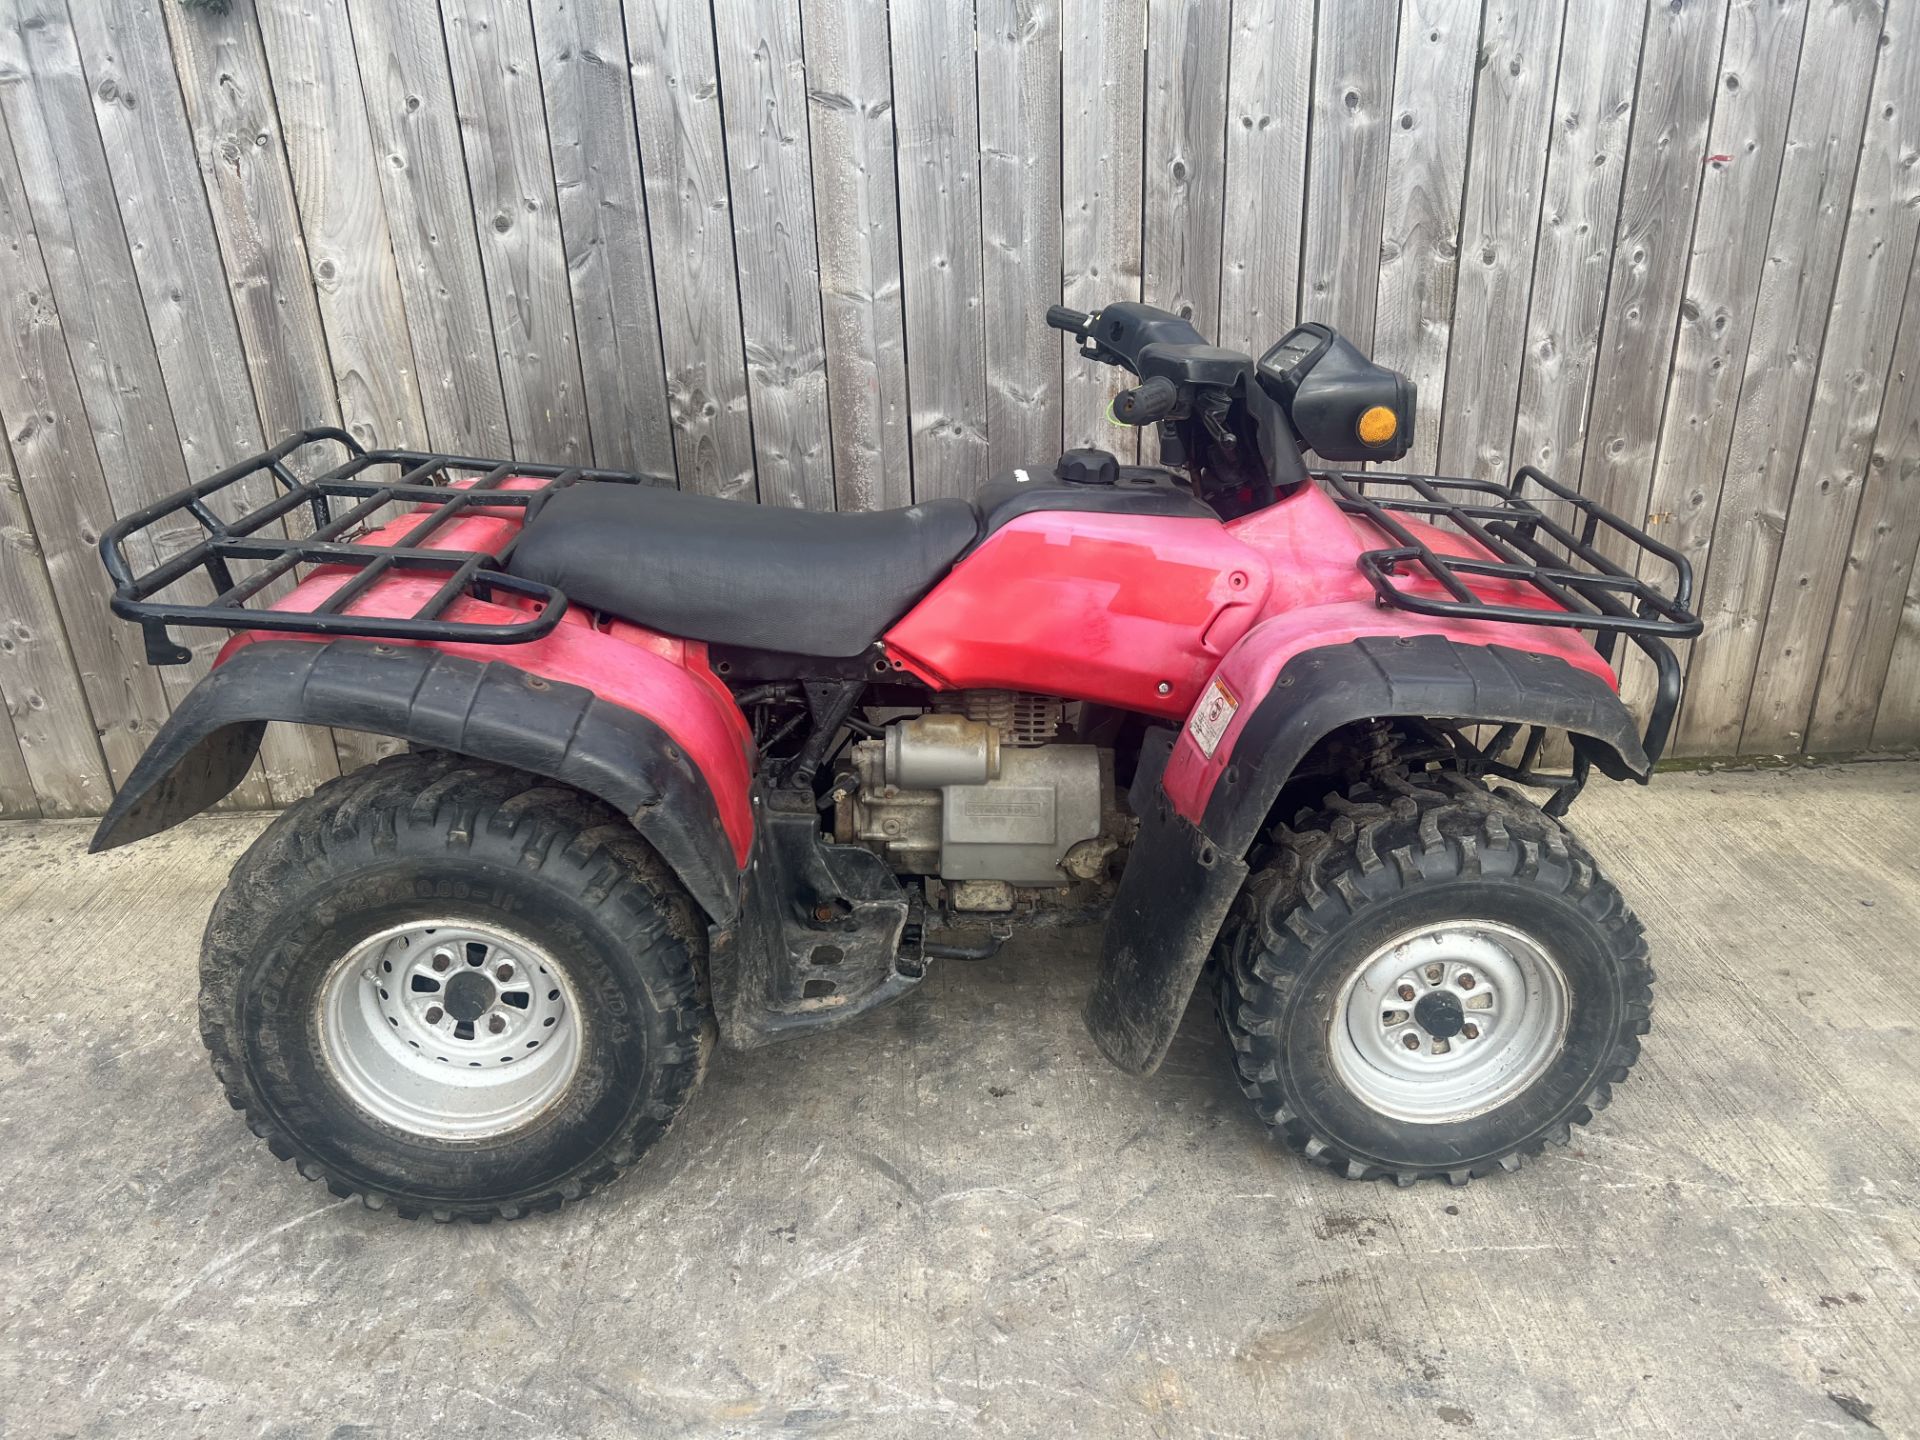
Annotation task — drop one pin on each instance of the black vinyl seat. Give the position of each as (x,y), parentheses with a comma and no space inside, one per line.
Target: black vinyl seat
(735,573)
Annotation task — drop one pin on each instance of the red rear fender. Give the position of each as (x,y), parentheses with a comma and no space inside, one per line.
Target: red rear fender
(548,724)
(662,678)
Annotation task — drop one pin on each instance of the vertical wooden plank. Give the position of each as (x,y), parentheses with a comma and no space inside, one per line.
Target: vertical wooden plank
(1673,107)
(1586,163)
(1760,58)
(763,92)
(70,192)
(1269,94)
(676,94)
(322,115)
(163,209)
(857,222)
(1102,105)
(212,329)
(1896,725)
(1790,318)
(1882,228)
(1759,63)
(1020,225)
(402,58)
(1187,63)
(603,223)
(503,130)
(66,507)
(48,716)
(336,183)
(1420,229)
(1880,562)
(69,189)
(936,124)
(235,132)
(1347,164)
(17,800)
(1513,110)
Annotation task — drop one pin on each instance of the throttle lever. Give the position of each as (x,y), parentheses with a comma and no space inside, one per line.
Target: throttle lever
(1213,414)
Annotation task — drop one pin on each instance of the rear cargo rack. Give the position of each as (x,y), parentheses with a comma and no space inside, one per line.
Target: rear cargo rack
(343,503)
(1542,535)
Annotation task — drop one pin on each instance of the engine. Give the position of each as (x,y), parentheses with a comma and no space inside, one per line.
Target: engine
(982,793)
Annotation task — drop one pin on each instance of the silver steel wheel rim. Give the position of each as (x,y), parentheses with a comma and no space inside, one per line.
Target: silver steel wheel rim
(1449,1021)
(450,1031)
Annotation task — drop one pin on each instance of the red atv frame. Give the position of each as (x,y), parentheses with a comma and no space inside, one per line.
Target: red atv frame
(679,764)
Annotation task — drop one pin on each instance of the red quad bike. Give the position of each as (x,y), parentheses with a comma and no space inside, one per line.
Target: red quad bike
(680,766)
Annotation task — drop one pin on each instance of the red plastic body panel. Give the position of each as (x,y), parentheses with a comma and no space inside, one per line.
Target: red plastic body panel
(1137,612)
(659,676)
(1111,608)
(1093,607)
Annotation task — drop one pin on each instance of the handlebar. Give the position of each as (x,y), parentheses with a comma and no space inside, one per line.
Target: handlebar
(1216,420)
(1146,403)
(1074,322)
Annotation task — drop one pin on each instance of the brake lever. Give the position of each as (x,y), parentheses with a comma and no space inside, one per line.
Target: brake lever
(1213,410)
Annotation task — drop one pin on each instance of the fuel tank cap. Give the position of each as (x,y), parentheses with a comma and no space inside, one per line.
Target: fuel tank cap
(1087,467)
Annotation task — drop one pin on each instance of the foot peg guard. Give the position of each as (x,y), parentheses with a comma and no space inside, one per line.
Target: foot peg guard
(827,932)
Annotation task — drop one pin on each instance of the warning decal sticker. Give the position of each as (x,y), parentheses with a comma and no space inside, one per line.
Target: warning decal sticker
(1211,717)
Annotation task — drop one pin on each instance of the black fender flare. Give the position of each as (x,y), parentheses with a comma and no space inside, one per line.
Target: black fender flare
(490,710)
(1181,878)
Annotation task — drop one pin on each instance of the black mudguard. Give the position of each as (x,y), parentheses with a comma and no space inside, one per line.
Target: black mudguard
(825,932)
(487,709)
(1181,878)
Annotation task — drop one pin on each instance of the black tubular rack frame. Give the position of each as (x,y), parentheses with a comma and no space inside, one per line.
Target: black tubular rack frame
(1557,555)
(424,479)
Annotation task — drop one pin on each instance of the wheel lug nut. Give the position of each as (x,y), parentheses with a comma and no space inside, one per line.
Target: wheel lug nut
(1434,972)
(435,1015)
(1466,982)
(496,1024)
(1412,1042)
(1472,1032)
(441,962)
(503,972)
(1406,992)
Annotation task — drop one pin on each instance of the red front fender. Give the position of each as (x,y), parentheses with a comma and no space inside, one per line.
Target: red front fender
(1288,684)
(1252,669)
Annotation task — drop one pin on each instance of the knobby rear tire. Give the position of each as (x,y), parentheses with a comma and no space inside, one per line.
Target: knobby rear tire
(434,834)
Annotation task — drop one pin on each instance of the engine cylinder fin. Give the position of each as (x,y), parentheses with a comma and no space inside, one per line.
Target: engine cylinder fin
(1021,717)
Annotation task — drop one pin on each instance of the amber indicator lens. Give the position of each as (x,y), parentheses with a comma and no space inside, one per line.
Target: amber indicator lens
(1377,425)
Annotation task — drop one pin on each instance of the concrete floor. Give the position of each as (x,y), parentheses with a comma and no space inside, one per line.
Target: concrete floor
(956,1219)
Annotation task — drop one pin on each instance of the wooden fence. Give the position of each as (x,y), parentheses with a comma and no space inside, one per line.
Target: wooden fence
(799,251)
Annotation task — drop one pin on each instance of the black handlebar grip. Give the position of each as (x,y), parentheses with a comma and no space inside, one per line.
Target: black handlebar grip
(1147,402)
(1075,322)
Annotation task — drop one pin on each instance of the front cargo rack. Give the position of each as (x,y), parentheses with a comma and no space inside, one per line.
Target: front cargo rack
(342,503)
(1543,536)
